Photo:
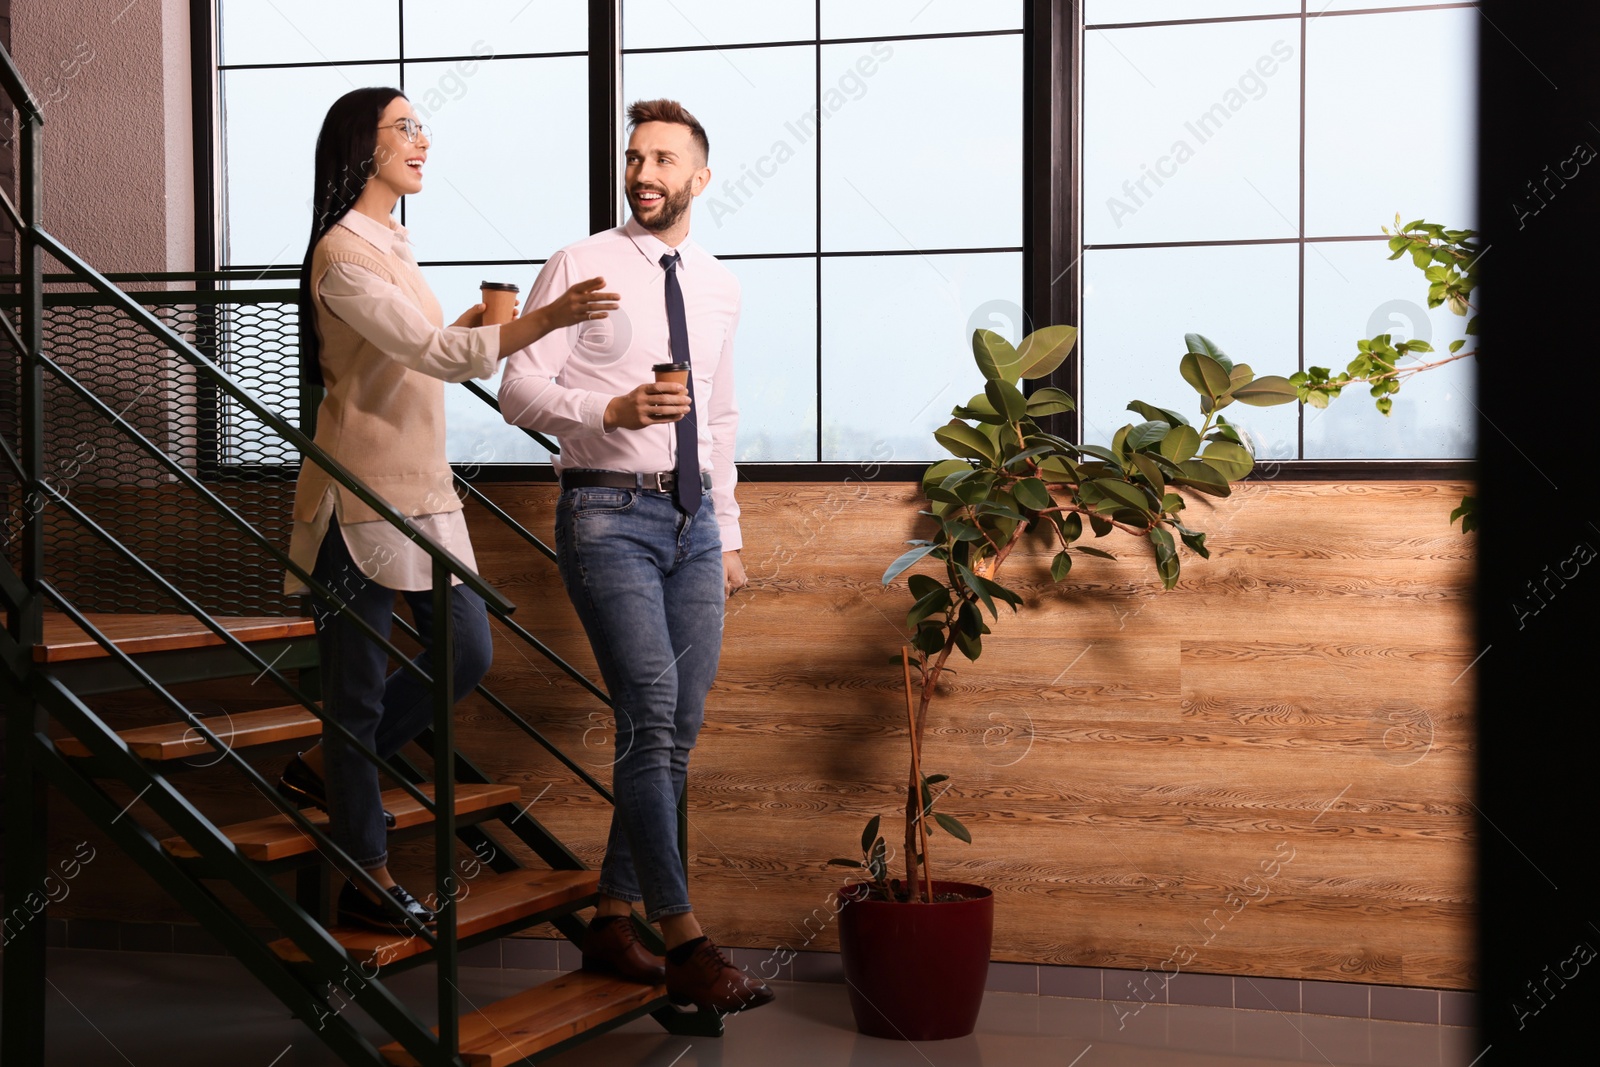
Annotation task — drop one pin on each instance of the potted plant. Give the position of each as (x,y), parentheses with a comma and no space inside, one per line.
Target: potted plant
(915,948)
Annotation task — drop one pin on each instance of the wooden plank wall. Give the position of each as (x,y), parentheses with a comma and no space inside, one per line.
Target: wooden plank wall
(1266,771)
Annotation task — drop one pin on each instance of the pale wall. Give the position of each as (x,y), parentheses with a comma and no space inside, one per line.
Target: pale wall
(113,77)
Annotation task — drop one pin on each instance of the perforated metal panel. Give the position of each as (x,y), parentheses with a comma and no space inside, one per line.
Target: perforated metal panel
(101,467)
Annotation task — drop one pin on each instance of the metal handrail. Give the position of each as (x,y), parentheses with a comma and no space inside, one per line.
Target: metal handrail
(284,429)
(25,963)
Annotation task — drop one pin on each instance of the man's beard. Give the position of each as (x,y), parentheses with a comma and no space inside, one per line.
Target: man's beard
(671,208)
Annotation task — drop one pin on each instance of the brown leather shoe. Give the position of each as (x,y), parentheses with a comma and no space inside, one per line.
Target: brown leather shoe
(711,982)
(613,947)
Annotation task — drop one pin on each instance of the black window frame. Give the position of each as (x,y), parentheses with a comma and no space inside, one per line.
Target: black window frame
(1052,246)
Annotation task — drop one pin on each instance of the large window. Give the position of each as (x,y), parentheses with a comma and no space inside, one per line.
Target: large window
(887,176)
(867,190)
(1239,160)
(504,87)
(867,179)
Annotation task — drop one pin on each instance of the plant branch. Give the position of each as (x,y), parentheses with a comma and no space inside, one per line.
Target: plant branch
(1395,373)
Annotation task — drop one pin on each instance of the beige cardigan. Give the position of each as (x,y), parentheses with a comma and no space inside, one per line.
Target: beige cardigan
(384,422)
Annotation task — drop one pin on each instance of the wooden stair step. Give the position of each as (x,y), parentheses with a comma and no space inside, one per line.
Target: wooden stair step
(490,901)
(276,837)
(179,740)
(526,1023)
(134,634)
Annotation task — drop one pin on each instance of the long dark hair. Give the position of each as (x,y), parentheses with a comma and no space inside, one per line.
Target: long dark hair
(345,150)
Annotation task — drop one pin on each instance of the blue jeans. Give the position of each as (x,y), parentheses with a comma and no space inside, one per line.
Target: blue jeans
(385,711)
(646,580)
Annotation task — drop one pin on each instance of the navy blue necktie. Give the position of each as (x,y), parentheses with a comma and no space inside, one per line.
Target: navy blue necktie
(687,469)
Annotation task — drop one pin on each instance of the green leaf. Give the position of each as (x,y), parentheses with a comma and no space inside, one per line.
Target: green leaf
(978,409)
(1230,460)
(962,440)
(870,834)
(1062,564)
(1196,540)
(941,470)
(1101,526)
(961,530)
(969,645)
(1200,475)
(977,585)
(1166,556)
(1240,374)
(961,474)
(1007,399)
(989,591)
(844,863)
(975,490)
(1205,374)
(1456,346)
(1181,444)
(1201,345)
(1046,349)
(1059,469)
(1050,401)
(1103,453)
(933,604)
(1032,494)
(1147,433)
(921,585)
(1086,550)
(996,357)
(929,638)
(1027,454)
(935,779)
(952,826)
(1266,391)
(1001,508)
(1152,473)
(1150,411)
(1119,440)
(1122,493)
(1070,525)
(970,621)
(905,561)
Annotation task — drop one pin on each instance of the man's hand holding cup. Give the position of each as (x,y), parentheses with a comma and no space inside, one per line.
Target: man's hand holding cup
(662,401)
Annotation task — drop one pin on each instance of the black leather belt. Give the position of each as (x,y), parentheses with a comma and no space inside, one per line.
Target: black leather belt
(661,481)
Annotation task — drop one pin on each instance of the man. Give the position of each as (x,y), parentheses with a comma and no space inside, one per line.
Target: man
(647,530)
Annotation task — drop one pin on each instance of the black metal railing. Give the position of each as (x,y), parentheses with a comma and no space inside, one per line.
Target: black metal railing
(144,452)
(180,472)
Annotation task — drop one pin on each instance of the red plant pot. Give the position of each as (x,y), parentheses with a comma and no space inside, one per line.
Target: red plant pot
(916,972)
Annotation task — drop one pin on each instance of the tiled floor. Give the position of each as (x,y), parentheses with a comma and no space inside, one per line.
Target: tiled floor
(170,1010)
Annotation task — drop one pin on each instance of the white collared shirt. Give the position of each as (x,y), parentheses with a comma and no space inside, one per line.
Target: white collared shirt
(562,382)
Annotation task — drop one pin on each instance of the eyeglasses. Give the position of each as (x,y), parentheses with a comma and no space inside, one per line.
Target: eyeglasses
(410,129)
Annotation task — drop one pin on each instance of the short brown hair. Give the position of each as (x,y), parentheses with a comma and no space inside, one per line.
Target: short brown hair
(642,111)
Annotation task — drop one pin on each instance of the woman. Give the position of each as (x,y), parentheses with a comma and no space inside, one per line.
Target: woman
(372,335)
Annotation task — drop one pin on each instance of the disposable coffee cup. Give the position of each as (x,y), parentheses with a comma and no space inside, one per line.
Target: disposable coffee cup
(499,302)
(672,372)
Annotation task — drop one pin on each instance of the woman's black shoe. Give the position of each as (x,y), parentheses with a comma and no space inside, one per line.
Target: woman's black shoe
(299,784)
(356,910)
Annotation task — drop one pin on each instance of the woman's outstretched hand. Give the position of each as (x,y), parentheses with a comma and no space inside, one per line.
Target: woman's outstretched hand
(579,304)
